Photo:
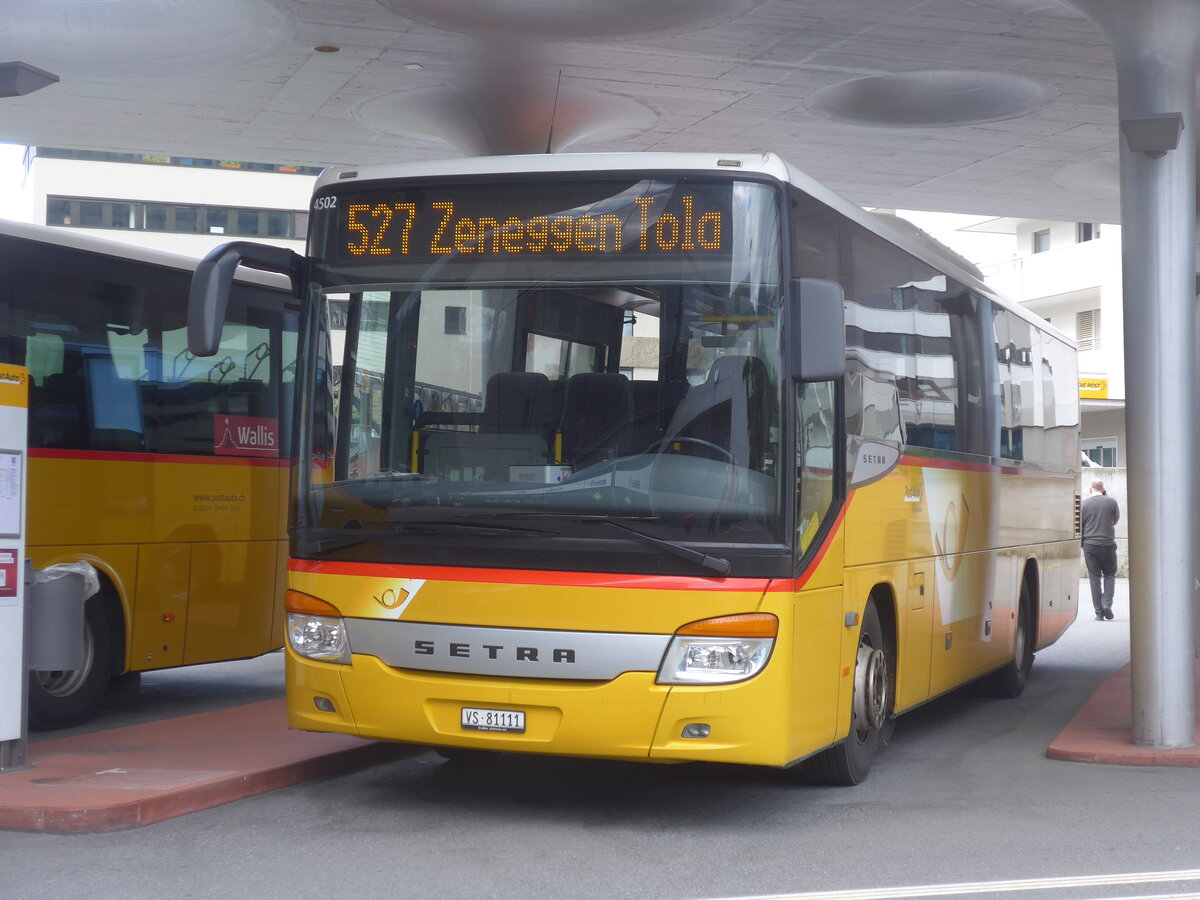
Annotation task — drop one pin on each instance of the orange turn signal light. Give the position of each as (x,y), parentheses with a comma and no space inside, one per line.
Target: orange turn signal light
(747,625)
(294,601)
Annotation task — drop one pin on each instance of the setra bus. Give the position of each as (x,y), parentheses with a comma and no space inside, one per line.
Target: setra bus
(657,457)
(165,472)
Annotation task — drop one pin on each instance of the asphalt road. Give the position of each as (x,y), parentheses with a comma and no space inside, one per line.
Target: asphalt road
(963,799)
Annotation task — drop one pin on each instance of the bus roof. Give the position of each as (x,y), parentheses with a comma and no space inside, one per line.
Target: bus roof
(77,239)
(892,228)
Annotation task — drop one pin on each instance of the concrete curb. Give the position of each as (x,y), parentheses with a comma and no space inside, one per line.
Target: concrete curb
(129,777)
(1102,731)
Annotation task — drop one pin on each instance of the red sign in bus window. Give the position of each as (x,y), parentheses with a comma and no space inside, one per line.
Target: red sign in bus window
(245,436)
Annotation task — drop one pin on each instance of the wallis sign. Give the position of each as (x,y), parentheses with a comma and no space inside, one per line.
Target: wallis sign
(245,436)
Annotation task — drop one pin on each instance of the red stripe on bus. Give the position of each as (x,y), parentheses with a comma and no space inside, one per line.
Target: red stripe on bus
(802,578)
(123,456)
(538,576)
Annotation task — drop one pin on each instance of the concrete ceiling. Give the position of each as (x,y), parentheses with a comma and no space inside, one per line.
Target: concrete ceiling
(996,107)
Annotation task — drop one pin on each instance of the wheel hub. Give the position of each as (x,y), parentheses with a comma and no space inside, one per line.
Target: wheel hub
(870,688)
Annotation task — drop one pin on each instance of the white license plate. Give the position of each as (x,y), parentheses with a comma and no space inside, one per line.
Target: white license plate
(507,720)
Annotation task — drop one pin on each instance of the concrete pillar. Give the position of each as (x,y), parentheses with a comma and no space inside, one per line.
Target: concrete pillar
(1156,45)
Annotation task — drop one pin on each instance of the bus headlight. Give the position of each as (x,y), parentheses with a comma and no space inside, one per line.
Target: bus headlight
(719,651)
(319,637)
(316,629)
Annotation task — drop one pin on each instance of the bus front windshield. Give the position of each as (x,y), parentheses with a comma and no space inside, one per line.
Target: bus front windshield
(544,359)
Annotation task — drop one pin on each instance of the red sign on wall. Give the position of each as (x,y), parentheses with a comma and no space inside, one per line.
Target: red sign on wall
(245,436)
(8,574)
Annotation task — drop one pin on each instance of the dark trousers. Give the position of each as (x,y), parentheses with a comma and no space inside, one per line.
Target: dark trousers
(1101,561)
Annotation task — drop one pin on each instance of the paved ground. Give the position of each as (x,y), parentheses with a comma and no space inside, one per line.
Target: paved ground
(965,796)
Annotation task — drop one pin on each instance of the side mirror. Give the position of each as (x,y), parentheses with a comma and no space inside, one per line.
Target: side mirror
(212,282)
(816,330)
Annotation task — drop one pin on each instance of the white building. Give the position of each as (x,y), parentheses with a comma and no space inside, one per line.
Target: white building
(180,204)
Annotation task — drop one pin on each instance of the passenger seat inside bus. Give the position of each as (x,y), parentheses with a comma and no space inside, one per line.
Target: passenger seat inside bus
(56,413)
(597,419)
(519,403)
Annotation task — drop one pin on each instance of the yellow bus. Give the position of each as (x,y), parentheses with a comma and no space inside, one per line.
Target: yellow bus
(658,457)
(166,472)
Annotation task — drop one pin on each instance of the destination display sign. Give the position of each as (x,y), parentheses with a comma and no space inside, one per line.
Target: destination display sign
(570,220)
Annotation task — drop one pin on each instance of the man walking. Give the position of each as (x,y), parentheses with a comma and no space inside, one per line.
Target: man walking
(1100,516)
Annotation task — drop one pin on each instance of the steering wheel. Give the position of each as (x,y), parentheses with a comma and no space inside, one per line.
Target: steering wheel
(702,443)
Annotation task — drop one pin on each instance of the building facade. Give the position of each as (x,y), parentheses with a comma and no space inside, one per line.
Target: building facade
(182,205)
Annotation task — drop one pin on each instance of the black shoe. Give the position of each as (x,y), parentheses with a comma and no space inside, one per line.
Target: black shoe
(1108,613)
(1099,617)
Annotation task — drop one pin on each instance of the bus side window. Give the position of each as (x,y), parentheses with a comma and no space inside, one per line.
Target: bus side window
(115,407)
(55,398)
(817,432)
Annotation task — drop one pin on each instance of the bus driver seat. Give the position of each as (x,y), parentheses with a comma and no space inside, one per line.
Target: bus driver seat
(723,415)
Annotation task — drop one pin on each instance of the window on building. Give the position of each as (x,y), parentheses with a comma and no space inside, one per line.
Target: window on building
(58,212)
(1041,240)
(91,215)
(217,221)
(1087,329)
(79,212)
(124,215)
(248,221)
(1086,231)
(1101,451)
(456,320)
(159,159)
(186,218)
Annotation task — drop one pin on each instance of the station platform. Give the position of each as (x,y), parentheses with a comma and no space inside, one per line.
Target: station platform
(127,777)
(1101,732)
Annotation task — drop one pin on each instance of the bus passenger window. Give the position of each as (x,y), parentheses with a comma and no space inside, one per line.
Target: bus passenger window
(815,411)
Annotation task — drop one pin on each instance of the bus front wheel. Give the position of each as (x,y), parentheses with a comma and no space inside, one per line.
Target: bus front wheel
(849,762)
(1009,682)
(60,698)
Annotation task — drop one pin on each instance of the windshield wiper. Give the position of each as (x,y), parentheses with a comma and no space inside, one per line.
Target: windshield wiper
(717,564)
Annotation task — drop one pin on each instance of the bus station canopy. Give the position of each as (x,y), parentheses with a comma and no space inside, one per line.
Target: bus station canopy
(995,107)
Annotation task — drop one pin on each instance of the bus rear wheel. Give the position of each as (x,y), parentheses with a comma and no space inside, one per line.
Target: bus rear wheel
(60,698)
(849,762)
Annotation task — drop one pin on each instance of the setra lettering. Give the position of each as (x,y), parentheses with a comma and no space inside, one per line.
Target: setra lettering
(460,650)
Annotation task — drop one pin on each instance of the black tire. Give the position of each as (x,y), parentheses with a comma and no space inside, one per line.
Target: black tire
(849,762)
(1009,682)
(62,698)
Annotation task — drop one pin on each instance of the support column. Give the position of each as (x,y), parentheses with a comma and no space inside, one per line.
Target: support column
(1156,44)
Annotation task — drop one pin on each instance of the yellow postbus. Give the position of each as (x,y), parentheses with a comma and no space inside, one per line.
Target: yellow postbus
(166,472)
(658,457)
